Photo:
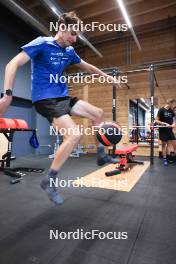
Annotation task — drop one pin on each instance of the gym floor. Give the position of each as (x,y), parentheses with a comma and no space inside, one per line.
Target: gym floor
(147,214)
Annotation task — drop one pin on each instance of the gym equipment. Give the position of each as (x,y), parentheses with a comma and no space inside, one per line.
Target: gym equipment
(8,127)
(79,150)
(146,138)
(33,140)
(6,123)
(112,173)
(125,153)
(152,78)
(152,126)
(56,145)
(109,134)
(150,70)
(21,124)
(126,158)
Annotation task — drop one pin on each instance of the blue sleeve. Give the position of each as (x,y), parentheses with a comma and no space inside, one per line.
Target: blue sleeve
(34,47)
(74,56)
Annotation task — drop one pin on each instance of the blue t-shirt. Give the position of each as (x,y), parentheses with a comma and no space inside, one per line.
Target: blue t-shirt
(49,61)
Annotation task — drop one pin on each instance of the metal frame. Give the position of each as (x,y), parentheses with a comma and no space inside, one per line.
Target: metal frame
(137,121)
(152,79)
(153,82)
(152,89)
(114,103)
(5,162)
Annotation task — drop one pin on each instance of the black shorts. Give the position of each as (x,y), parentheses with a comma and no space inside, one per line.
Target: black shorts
(166,134)
(55,107)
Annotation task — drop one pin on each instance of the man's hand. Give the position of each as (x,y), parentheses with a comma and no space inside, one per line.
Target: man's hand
(167,125)
(4,104)
(172,126)
(162,124)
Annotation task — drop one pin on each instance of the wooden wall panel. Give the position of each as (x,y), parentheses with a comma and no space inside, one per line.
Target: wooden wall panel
(156,47)
(124,53)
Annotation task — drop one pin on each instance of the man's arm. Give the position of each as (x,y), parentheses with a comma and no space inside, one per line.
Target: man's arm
(12,67)
(173,125)
(157,119)
(174,122)
(10,74)
(84,66)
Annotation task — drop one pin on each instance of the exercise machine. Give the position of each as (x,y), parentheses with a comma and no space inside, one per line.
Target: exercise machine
(8,127)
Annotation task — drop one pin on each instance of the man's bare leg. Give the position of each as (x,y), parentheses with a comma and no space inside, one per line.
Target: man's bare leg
(164,152)
(173,142)
(71,137)
(65,122)
(96,115)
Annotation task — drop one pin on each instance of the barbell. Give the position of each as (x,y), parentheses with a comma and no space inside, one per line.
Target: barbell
(151,127)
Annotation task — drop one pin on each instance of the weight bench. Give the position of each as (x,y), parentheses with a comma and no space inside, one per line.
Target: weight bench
(8,127)
(126,157)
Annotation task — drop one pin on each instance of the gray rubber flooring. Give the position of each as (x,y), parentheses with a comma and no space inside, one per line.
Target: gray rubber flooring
(147,214)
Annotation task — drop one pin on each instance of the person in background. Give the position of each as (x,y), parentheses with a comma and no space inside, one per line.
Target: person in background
(166,118)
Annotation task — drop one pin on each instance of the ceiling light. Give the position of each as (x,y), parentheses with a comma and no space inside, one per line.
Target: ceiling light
(124,12)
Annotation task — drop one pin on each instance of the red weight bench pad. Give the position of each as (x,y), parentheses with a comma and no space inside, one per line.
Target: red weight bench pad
(8,126)
(9,123)
(126,150)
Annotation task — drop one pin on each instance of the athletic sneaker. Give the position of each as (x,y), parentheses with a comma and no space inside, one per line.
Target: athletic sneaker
(106,159)
(51,191)
(171,161)
(165,162)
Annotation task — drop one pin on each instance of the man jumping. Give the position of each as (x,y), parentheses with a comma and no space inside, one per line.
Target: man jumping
(52,55)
